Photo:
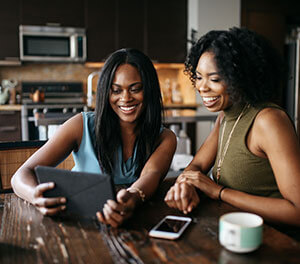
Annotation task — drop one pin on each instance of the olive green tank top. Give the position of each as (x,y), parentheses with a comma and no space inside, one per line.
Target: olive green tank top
(241,169)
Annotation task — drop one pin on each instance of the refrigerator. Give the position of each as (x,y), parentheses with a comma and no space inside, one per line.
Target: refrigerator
(291,93)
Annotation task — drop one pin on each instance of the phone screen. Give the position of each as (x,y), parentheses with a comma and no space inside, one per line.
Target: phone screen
(171,225)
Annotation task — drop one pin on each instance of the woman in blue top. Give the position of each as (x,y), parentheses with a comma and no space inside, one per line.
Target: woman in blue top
(123,137)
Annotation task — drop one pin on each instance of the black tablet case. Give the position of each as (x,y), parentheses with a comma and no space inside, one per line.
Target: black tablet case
(86,193)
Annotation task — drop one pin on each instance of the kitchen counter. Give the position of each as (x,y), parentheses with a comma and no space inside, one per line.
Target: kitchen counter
(187,116)
(8,107)
(21,144)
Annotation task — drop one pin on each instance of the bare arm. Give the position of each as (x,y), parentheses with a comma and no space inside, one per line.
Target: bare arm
(158,164)
(114,213)
(281,147)
(183,194)
(66,139)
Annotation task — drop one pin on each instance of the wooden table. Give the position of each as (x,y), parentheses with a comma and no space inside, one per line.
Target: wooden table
(28,237)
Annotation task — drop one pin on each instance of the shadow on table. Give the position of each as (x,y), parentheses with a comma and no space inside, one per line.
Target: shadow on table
(15,254)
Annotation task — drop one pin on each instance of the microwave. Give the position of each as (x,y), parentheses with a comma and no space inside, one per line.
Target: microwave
(52,44)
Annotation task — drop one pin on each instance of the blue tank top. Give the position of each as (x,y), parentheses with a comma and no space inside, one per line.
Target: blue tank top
(86,159)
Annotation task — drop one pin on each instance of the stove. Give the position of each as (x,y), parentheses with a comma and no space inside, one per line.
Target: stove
(61,101)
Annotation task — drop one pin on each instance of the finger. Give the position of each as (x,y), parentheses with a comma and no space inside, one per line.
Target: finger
(169,198)
(101,218)
(123,196)
(193,202)
(177,194)
(185,196)
(41,188)
(119,208)
(113,218)
(51,211)
(109,220)
(50,202)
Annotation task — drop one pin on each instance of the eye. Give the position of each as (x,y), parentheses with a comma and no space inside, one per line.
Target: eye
(215,80)
(136,89)
(198,77)
(115,90)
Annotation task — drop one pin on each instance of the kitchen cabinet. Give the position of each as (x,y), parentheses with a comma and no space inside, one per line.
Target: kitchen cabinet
(100,22)
(10,125)
(9,29)
(166,27)
(64,13)
(130,24)
(158,28)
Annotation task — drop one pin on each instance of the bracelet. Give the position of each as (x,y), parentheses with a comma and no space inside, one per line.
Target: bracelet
(137,190)
(220,192)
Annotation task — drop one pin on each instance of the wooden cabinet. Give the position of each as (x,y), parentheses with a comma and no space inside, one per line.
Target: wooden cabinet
(273,20)
(10,125)
(159,28)
(64,13)
(100,22)
(166,27)
(131,24)
(9,29)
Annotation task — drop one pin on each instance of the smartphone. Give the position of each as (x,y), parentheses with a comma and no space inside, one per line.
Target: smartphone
(170,227)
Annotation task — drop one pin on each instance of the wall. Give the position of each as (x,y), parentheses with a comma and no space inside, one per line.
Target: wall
(206,15)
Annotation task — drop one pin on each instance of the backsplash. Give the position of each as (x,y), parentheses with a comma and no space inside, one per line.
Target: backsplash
(172,77)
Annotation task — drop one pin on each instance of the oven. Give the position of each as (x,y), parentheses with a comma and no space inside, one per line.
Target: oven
(56,103)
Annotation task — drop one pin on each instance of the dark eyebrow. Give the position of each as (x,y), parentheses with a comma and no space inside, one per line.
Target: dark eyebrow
(133,84)
(210,74)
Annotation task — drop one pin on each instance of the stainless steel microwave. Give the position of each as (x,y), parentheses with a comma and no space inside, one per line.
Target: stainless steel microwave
(52,44)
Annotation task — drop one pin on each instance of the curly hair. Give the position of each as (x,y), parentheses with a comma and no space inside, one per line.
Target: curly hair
(250,66)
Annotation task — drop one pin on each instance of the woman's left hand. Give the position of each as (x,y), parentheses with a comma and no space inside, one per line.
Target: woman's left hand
(202,182)
(116,212)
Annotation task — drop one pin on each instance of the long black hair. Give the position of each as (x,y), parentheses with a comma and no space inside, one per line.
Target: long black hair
(107,127)
(248,63)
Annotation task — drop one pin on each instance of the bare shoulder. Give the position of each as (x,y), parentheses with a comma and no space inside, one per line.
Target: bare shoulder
(168,134)
(273,118)
(273,128)
(71,131)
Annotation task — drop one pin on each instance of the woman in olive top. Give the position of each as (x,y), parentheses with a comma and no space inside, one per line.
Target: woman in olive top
(123,137)
(253,148)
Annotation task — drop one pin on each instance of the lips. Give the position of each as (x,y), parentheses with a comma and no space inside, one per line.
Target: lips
(209,101)
(128,109)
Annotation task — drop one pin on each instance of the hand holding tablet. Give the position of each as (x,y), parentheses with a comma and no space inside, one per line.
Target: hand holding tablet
(86,193)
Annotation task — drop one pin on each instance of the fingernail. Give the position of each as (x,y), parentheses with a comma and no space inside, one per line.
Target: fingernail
(63,207)
(63,200)
(51,184)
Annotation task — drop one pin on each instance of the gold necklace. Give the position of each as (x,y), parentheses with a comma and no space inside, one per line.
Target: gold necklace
(222,154)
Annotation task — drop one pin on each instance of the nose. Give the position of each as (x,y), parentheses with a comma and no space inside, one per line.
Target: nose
(202,86)
(125,96)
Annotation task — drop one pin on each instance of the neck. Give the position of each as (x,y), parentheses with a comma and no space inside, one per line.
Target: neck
(234,110)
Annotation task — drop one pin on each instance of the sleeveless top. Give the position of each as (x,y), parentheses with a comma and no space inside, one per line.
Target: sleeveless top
(241,169)
(86,159)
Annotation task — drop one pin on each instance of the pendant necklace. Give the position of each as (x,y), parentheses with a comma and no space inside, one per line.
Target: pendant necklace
(222,154)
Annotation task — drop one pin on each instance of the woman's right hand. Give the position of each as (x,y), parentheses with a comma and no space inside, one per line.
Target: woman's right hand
(182,196)
(47,206)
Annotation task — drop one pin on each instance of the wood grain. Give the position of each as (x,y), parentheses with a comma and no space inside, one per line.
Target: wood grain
(28,237)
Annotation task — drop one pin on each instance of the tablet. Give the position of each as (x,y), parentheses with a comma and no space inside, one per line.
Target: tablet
(86,193)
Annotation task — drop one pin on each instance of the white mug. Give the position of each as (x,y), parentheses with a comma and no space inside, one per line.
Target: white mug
(240,232)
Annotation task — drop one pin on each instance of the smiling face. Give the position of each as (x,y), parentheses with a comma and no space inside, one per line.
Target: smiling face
(210,85)
(126,93)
